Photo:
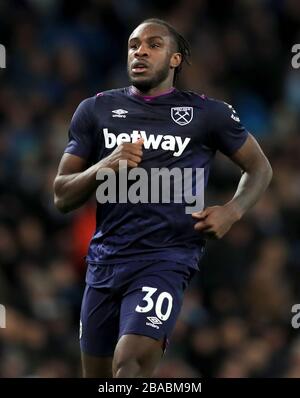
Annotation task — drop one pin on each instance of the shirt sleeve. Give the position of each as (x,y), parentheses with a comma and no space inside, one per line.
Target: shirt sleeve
(226,133)
(81,131)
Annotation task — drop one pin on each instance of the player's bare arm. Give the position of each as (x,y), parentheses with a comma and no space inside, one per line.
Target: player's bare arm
(75,183)
(216,221)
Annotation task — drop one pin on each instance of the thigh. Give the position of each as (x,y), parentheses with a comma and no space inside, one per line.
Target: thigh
(136,356)
(99,328)
(96,367)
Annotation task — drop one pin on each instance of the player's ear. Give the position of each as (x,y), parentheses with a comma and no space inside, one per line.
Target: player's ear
(175,60)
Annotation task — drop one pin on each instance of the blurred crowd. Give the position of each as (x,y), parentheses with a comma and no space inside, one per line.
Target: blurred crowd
(236,317)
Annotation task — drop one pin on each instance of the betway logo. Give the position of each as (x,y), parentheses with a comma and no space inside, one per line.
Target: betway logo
(166,142)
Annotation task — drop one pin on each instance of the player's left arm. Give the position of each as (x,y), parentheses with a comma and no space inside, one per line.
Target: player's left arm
(216,221)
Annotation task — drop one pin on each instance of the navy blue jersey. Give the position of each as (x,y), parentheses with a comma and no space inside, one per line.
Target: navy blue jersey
(180,129)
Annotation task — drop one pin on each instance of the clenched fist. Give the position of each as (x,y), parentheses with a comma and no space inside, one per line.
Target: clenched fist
(131,152)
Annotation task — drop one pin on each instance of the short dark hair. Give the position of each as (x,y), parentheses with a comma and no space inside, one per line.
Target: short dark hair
(183,46)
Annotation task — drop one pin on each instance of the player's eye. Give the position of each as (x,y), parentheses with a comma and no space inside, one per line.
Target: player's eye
(133,46)
(153,45)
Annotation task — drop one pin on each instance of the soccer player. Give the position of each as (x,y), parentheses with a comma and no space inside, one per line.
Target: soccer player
(143,255)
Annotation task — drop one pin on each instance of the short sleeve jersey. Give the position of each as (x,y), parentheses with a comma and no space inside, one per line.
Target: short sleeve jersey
(180,129)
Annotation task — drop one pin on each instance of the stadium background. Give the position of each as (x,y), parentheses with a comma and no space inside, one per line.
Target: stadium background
(236,318)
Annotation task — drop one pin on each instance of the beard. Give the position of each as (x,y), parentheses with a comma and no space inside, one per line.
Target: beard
(147,83)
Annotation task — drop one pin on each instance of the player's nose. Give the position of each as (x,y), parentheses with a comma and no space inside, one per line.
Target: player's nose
(141,51)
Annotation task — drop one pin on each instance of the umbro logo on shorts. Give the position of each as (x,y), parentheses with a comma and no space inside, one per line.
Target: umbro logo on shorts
(154,322)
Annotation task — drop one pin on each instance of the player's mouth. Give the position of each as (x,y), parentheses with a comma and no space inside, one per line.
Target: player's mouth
(139,67)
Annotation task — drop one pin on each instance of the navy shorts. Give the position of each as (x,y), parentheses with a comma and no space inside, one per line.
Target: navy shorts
(138,297)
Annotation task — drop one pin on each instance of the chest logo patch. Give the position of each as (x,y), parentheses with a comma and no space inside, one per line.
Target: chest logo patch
(182,115)
(119,113)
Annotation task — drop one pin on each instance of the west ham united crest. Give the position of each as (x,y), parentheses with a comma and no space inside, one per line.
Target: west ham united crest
(182,115)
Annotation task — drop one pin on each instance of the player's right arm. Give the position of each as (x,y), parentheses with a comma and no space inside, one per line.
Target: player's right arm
(76,179)
(75,183)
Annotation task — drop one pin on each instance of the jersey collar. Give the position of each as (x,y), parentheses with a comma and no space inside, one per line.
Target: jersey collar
(132,91)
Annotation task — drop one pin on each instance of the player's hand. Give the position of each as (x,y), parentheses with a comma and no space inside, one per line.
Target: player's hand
(131,152)
(215,221)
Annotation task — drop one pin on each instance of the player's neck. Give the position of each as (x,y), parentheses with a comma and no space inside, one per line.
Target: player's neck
(153,92)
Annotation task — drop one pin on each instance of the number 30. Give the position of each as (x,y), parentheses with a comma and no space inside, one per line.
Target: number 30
(159,302)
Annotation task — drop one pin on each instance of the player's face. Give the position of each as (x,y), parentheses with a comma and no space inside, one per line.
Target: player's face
(151,56)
